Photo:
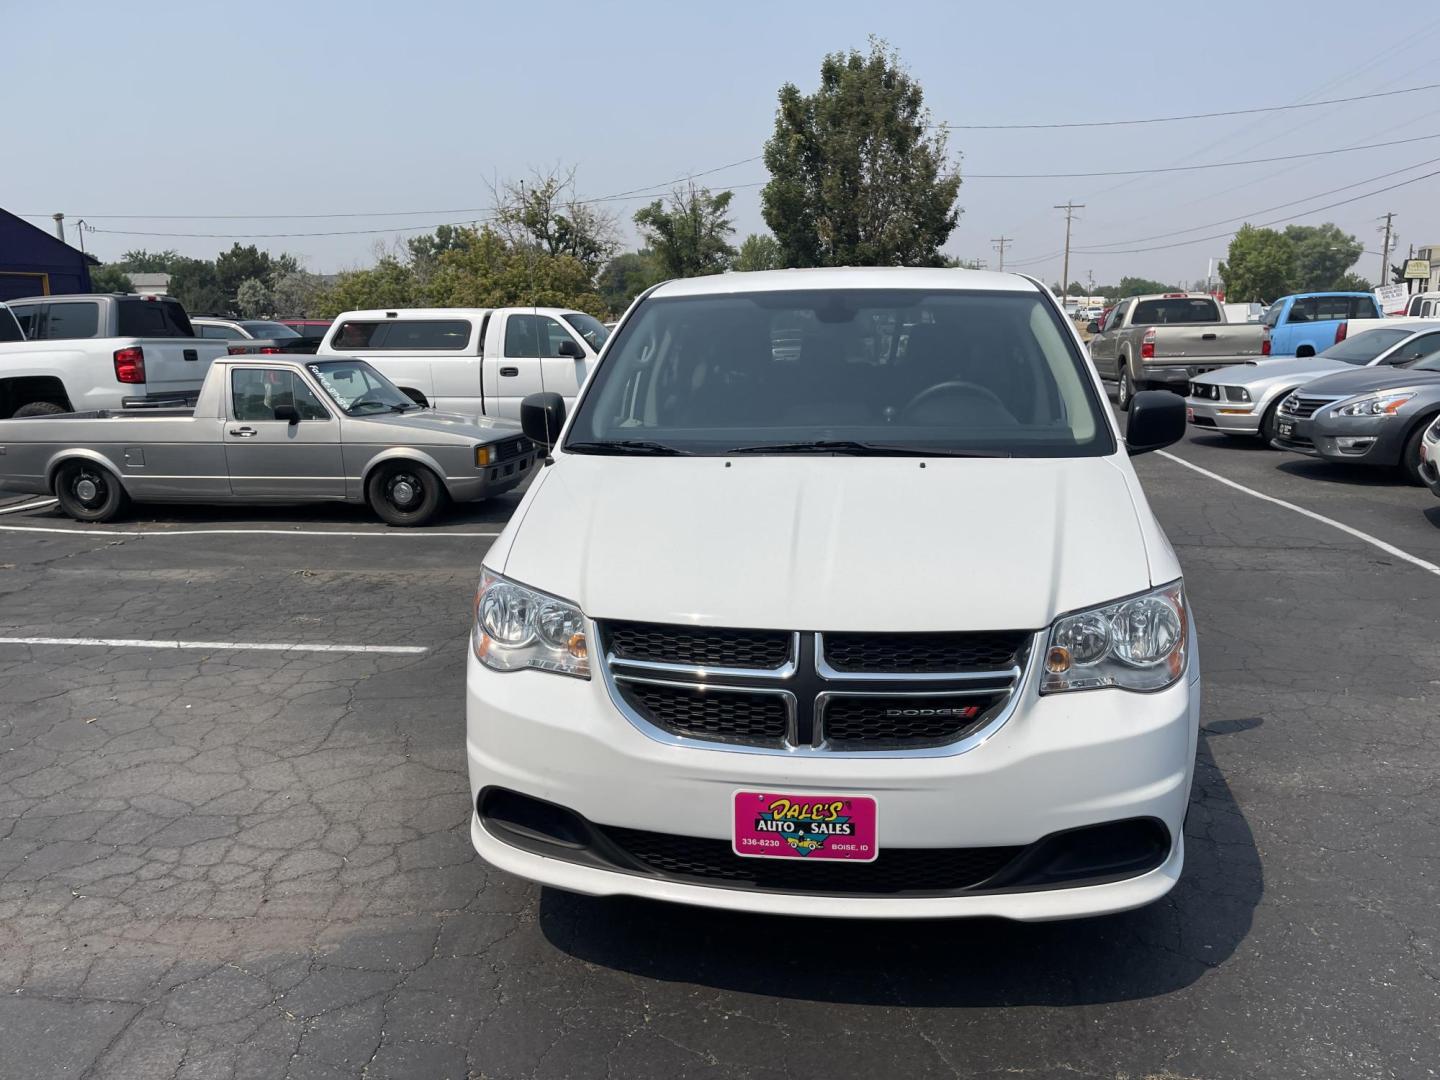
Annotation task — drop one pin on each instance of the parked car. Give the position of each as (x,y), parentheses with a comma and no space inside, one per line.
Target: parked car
(1307,323)
(251,336)
(1423,304)
(101,351)
(1245,399)
(477,361)
(1373,416)
(887,629)
(310,329)
(1244,313)
(269,429)
(1165,340)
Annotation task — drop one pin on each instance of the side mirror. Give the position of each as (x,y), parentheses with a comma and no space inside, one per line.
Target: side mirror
(1157,420)
(1093,327)
(543,415)
(288,413)
(571,348)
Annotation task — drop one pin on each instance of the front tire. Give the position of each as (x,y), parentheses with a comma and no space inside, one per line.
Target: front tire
(405,494)
(1268,430)
(89,492)
(1124,391)
(38,408)
(1410,456)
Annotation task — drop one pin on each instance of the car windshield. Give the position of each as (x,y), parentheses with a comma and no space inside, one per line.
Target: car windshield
(844,371)
(261,329)
(359,389)
(588,327)
(1362,348)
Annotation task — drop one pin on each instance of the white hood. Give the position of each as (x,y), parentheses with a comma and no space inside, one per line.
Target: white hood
(829,543)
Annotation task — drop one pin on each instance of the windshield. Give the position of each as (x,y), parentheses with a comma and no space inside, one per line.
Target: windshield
(883,371)
(359,389)
(1362,348)
(588,327)
(261,329)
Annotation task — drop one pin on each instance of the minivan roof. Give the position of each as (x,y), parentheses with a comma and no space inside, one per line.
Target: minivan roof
(934,279)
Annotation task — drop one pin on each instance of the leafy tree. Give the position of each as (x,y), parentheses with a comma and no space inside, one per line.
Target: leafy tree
(1260,266)
(1351,282)
(195,284)
(1323,254)
(858,175)
(424,251)
(1077,289)
(545,213)
(389,283)
(141,261)
(253,300)
(759,251)
(689,235)
(1139,286)
(293,295)
(239,263)
(625,277)
(110,278)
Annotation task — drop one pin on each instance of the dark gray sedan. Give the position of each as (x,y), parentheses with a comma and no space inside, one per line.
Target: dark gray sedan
(1369,416)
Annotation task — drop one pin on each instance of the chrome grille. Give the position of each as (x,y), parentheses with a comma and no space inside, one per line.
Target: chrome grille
(812,692)
(1303,406)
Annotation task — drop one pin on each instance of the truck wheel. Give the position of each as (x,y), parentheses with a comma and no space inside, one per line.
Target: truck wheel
(404,493)
(38,408)
(88,492)
(1123,390)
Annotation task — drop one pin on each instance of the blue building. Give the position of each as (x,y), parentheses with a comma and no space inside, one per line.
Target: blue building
(34,263)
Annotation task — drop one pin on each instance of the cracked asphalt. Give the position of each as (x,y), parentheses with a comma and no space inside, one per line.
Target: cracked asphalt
(220,863)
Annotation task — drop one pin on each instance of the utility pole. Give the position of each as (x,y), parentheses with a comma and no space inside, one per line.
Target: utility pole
(80,233)
(59,227)
(1385,250)
(1000,242)
(1090,283)
(1069,207)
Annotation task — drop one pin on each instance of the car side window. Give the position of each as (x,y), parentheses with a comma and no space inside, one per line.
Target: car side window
(1302,311)
(71,321)
(521,336)
(257,392)
(1113,323)
(1422,348)
(1427,308)
(28,316)
(1364,307)
(1272,317)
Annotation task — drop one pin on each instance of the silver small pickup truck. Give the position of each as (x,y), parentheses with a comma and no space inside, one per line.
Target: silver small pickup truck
(269,430)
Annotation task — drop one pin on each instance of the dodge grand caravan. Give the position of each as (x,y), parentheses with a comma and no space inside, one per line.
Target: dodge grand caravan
(874,622)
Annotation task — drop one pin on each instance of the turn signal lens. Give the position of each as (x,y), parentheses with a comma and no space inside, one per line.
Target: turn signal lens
(483,456)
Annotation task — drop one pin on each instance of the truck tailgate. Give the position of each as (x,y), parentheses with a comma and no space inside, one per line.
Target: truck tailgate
(1203,341)
(176,366)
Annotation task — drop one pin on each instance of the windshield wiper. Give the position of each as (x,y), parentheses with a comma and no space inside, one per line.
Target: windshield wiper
(626,446)
(851,446)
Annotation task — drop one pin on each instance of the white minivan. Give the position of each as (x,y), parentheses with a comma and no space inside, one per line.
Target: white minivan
(476,361)
(839,597)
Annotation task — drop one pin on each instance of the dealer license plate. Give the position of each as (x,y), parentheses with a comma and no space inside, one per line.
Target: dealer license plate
(1285,429)
(1190,415)
(774,825)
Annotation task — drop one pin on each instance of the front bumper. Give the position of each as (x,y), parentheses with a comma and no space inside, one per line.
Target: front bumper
(1060,762)
(1231,417)
(1362,440)
(492,480)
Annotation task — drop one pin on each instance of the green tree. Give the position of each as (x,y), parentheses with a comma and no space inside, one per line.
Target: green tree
(292,295)
(110,278)
(195,284)
(389,283)
(141,261)
(690,234)
(1351,283)
(759,251)
(239,263)
(625,277)
(1260,266)
(487,271)
(858,174)
(253,300)
(425,251)
(1323,255)
(545,213)
(1138,286)
(1077,288)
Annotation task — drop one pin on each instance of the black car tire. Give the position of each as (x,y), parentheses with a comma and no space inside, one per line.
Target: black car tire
(89,492)
(1410,456)
(1268,429)
(1124,391)
(405,493)
(38,408)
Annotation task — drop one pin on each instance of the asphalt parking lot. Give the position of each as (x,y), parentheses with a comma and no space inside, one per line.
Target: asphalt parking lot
(220,860)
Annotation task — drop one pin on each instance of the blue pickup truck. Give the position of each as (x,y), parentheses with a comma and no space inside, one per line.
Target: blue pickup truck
(1306,323)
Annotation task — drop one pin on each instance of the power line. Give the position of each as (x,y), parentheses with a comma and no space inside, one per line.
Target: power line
(1189,116)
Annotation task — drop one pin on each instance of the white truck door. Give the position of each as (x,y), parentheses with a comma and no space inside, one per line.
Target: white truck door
(517,369)
(564,360)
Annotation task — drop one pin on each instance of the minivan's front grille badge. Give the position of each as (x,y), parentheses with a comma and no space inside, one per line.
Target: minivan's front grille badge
(806,691)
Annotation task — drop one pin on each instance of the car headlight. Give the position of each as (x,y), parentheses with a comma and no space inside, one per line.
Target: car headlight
(1385,404)
(1138,643)
(1236,393)
(519,627)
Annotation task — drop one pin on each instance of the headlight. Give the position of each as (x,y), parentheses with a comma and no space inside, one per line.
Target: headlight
(1374,404)
(1138,643)
(1236,393)
(518,627)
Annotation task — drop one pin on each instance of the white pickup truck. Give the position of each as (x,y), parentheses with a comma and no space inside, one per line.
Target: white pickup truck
(97,351)
(476,361)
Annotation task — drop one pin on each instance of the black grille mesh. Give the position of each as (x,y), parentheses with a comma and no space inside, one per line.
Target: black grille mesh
(920,653)
(874,723)
(710,714)
(697,646)
(896,870)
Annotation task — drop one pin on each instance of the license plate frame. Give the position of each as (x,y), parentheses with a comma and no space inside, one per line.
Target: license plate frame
(806,826)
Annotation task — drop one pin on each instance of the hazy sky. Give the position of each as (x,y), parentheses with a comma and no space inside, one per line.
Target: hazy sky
(324,107)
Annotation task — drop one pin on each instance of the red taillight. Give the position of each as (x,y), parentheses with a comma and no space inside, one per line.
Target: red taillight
(269,349)
(130,364)
(1341,331)
(236,350)
(1147,345)
(1264,341)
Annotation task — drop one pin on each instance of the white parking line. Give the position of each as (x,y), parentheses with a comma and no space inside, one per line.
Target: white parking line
(40,504)
(1389,549)
(99,531)
(263,646)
